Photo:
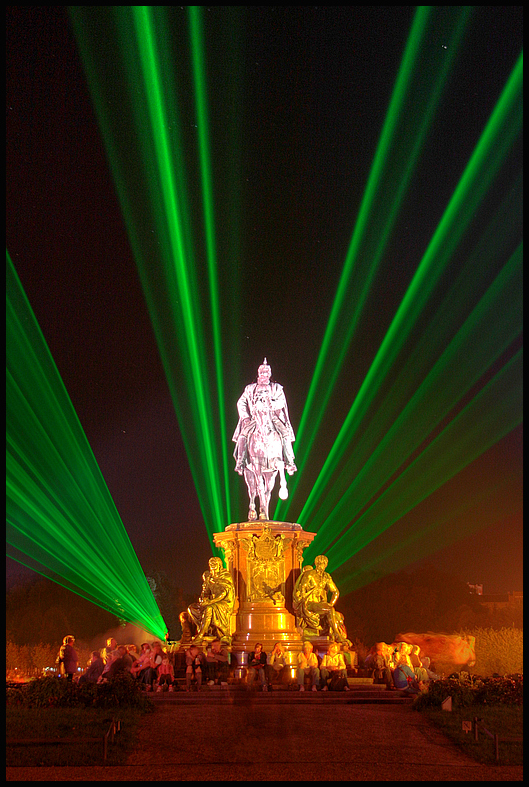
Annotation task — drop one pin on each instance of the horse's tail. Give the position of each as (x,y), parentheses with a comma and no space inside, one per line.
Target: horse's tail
(283,489)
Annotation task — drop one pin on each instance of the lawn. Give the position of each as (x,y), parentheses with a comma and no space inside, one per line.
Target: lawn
(506,720)
(70,723)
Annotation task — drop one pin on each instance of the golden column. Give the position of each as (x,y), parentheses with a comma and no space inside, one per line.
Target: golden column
(264,559)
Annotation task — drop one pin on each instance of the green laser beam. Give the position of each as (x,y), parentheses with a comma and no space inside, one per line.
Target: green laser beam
(197,50)
(392,437)
(502,128)
(489,416)
(187,322)
(60,514)
(170,174)
(409,543)
(396,158)
(436,337)
(178,256)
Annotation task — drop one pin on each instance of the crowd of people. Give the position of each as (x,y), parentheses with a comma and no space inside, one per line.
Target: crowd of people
(150,665)
(400,666)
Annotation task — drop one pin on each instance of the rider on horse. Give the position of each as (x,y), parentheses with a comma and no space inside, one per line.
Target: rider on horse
(263,398)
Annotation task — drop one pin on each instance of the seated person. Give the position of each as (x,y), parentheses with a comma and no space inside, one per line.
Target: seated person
(121,664)
(110,651)
(156,658)
(94,669)
(217,663)
(404,677)
(308,665)
(430,675)
(332,670)
(195,666)
(416,663)
(403,649)
(141,664)
(349,656)
(256,666)
(380,666)
(277,667)
(165,674)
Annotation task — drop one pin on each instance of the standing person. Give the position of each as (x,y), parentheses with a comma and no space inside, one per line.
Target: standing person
(256,666)
(308,665)
(67,658)
(217,663)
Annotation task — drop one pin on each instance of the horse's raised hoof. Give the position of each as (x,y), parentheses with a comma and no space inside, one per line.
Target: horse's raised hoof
(291,469)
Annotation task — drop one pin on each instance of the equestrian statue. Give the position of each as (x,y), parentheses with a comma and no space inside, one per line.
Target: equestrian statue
(263,439)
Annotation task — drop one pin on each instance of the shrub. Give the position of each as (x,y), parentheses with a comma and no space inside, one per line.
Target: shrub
(467,690)
(462,693)
(498,651)
(47,692)
(122,691)
(53,691)
(506,690)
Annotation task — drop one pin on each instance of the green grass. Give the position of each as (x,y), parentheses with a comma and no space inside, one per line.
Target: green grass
(506,720)
(57,723)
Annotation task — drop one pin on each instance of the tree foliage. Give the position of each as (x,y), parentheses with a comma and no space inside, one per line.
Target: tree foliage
(422,600)
(39,610)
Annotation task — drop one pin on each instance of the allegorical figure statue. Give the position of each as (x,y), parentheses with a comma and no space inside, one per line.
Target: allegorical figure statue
(263,438)
(212,612)
(315,611)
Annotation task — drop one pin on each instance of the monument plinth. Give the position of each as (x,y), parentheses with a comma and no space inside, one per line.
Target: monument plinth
(264,559)
(263,593)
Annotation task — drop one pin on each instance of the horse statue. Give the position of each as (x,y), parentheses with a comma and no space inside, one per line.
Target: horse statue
(265,461)
(264,439)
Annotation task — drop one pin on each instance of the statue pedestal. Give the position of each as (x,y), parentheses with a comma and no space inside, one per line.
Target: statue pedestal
(265,560)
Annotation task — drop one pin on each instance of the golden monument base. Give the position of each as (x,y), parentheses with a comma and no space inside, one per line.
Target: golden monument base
(264,559)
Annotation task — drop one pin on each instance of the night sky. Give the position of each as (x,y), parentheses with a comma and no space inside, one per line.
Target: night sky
(313,87)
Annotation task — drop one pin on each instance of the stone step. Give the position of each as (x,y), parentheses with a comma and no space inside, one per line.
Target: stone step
(234,695)
(294,699)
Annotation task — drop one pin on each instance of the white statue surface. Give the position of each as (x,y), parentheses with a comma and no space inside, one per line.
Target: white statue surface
(263,438)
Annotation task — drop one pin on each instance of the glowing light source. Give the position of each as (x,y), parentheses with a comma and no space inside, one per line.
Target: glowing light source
(61,520)
(396,158)
(156,159)
(157,163)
